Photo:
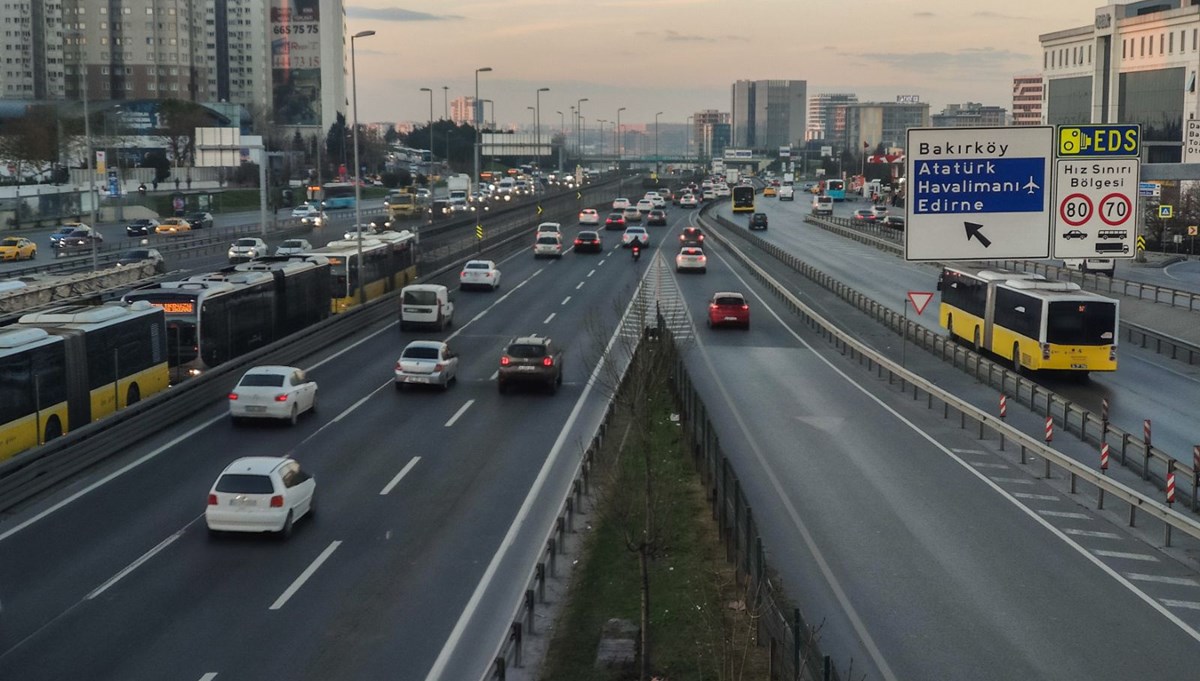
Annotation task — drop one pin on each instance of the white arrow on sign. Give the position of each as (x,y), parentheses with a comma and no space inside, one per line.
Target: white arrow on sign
(919,300)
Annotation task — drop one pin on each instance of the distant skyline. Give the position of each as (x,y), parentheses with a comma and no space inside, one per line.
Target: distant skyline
(681,56)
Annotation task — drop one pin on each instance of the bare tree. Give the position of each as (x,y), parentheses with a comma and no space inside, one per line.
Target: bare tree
(180,120)
(31,142)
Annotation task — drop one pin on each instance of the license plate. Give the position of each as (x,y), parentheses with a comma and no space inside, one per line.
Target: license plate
(526,368)
(731,319)
(256,410)
(414,310)
(240,501)
(417,379)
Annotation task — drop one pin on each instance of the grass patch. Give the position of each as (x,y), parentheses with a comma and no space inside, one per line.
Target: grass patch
(697,629)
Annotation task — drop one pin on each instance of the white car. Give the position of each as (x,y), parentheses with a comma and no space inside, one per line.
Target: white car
(708,194)
(313,216)
(786,193)
(880,212)
(690,259)
(723,190)
(620,204)
(272,392)
(589,216)
(632,214)
(247,248)
(479,273)
(548,245)
(657,201)
(293,246)
(549,228)
(645,206)
(304,209)
(260,494)
(688,201)
(356,231)
(637,234)
(426,362)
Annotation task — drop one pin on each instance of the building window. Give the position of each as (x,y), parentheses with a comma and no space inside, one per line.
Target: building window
(1160,43)
(1124,49)
(1089,54)
(1171,44)
(1045,60)
(1143,48)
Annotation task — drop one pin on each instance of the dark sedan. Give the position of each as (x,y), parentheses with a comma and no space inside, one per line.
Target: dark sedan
(656,217)
(758,221)
(588,242)
(615,221)
(141,227)
(200,220)
(895,222)
(864,215)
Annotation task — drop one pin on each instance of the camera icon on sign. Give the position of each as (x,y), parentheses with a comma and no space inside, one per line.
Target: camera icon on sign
(1070,141)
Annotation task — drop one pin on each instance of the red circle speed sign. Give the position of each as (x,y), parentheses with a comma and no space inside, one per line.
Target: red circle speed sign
(1075,210)
(1115,209)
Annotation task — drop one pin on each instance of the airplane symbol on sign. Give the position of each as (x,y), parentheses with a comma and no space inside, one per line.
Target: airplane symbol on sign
(1031,185)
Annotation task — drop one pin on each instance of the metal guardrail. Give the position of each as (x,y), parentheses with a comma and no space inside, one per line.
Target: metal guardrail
(1151,462)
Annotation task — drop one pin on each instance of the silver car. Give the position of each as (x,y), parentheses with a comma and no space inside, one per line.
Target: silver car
(425,362)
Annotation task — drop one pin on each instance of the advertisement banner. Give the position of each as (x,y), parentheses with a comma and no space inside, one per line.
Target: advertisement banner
(101,161)
(296,61)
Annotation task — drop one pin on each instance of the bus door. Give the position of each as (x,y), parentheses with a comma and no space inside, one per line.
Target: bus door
(989,314)
(79,393)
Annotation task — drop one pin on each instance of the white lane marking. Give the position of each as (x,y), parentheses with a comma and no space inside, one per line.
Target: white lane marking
(1159,579)
(872,649)
(399,476)
(304,576)
(359,403)
(1014,481)
(601,263)
(111,476)
(1036,497)
(134,565)
(1191,605)
(566,300)
(957,450)
(547,319)
(579,286)
(593,271)
(1091,533)
(209,676)
(535,491)
(460,412)
(494,375)
(350,347)
(980,464)
(1128,556)
(1064,514)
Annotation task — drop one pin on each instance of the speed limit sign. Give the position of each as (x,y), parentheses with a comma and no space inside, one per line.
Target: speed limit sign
(1094,202)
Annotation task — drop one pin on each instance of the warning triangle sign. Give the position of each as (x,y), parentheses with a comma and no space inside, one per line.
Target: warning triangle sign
(919,300)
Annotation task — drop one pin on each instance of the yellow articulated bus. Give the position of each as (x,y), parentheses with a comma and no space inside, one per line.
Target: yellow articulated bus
(66,367)
(1032,322)
(388,264)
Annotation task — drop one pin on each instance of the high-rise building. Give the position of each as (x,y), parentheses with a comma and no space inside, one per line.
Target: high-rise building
(1027,100)
(768,114)
(826,121)
(463,110)
(741,116)
(970,115)
(705,124)
(870,124)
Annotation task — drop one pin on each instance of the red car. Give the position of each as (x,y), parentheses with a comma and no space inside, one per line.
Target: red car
(614,221)
(728,308)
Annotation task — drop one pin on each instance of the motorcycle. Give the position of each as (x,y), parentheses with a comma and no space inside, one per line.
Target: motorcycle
(637,252)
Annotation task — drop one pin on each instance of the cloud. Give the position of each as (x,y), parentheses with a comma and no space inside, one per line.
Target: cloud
(395,14)
(924,15)
(968,59)
(988,14)
(675,37)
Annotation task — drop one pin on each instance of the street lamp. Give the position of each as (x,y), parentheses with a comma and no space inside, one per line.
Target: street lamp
(579,128)
(687,152)
(430,91)
(656,163)
(601,122)
(478,113)
(533,111)
(537,116)
(620,178)
(562,131)
(357,166)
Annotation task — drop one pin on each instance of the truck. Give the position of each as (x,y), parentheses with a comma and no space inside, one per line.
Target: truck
(732,177)
(402,204)
(789,179)
(459,186)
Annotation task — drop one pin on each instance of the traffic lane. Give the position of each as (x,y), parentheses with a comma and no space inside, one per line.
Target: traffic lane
(1145,386)
(865,485)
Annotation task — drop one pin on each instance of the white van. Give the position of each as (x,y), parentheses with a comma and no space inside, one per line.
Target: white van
(1105,266)
(426,305)
(822,205)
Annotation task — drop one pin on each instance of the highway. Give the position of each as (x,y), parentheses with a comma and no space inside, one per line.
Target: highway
(924,552)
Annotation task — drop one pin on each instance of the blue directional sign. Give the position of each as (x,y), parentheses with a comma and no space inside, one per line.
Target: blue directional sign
(978,193)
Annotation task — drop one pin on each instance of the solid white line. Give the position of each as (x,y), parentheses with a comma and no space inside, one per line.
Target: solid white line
(1129,556)
(209,676)
(134,565)
(350,347)
(1159,579)
(1091,533)
(1191,605)
(981,464)
(399,476)
(304,576)
(357,404)
(566,300)
(111,476)
(1037,497)
(459,413)
(1065,514)
(547,319)
(579,286)
(1014,481)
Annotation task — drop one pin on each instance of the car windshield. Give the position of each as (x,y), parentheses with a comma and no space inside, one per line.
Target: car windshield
(526,350)
(246,242)
(9,242)
(420,353)
(243,483)
(420,298)
(725,301)
(261,381)
(587,235)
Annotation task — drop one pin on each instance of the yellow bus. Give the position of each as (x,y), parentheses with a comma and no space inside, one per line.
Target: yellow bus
(743,198)
(69,366)
(388,264)
(1032,322)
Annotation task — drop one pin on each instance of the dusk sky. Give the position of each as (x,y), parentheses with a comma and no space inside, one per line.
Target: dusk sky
(679,56)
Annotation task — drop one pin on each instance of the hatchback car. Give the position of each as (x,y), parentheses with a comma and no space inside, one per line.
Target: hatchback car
(247,248)
(260,494)
(479,273)
(656,217)
(691,259)
(768,191)
(645,206)
(632,215)
(17,248)
(688,201)
(691,236)
(864,215)
(588,241)
(758,221)
(549,228)
(547,246)
(293,247)
(173,226)
(272,392)
(530,359)
(657,201)
(141,227)
(614,221)
(728,308)
(620,204)
(637,235)
(895,222)
(708,195)
(200,220)
(426,362)
(589,216)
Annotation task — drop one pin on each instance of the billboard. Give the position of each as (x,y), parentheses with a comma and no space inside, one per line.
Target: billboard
(296,61)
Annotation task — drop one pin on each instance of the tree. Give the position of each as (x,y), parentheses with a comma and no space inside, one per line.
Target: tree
(335,144)
(31,142)
(180,119)
(390,136)
(157,159)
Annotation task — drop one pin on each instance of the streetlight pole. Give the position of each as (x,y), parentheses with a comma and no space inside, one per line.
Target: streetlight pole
(430,91)
(579,128)
(477,110)
(562,131)
(657,165)
(620,177)
(687,152)
(537,115)
(445,117)
(357,165)
(601,122)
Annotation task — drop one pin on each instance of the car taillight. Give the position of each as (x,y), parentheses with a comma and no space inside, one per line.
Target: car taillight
(233,396)
(712,306)
(745,306)
(505,361)
(281,398)
(463,273)
(438,367)
(398,368)
(277,501)
(547,361)
(212,499)
(577,242)
(703,259)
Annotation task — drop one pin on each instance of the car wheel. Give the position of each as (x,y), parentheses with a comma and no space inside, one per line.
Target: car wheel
(703,270)
(552,387)
(710,324)
(295,416)
(558,380)
(235,421)
(286,531)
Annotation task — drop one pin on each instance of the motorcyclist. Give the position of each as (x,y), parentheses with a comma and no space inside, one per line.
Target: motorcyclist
(637,250)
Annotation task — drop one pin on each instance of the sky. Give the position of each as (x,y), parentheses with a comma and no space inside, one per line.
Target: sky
(681,56)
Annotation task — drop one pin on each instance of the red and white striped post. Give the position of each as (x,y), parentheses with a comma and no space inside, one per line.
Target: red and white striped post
(1003,405)
(1103,471)
(1049,429)
(1170,482)
(1146,432)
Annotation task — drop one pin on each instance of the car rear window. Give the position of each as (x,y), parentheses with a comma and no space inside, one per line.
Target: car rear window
(586,236)
(257,380)
(730,300)
(477,266)
(420,298)
(244,483)
(547,239)
(526,350)
(421,353)
(292,243)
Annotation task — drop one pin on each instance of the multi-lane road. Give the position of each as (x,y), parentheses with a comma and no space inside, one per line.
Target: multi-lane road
(925,553)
